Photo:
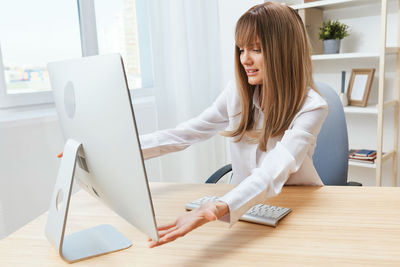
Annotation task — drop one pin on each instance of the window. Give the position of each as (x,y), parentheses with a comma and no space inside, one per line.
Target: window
(32,34)
(117,24)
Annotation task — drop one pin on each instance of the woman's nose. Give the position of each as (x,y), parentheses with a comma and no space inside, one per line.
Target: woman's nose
(245,58)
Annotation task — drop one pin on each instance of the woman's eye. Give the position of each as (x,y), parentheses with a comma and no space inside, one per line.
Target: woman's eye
(257,50)
(241,51)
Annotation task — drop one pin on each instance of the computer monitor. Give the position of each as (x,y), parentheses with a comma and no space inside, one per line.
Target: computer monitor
(98,123)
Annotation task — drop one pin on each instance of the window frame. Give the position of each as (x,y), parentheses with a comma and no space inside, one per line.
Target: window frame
(89,47)
(143,28)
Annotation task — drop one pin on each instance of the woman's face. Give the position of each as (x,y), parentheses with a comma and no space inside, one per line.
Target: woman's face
(252,60)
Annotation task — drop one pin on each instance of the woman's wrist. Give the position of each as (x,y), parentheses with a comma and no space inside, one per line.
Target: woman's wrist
(218,208)
(222,208)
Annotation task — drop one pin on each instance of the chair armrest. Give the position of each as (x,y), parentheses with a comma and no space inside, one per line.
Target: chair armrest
(216,176)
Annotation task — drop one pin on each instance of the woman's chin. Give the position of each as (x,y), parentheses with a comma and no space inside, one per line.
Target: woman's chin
(253,81)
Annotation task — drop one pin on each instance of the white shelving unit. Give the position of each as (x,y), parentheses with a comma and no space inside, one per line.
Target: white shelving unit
(345,56)
(328,4)
(370,109)
(389,50)
(361,164)
(374,110)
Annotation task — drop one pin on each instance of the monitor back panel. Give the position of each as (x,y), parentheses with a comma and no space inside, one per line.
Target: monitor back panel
(94,108)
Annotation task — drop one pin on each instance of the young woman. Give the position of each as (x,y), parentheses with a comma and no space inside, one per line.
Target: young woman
(272,114)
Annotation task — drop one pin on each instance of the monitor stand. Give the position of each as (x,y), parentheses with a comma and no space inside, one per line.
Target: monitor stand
(96,241)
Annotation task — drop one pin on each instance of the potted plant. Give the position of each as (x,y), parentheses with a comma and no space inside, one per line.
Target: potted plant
(331,32)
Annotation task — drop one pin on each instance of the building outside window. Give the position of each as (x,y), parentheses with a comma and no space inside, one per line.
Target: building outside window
(117,32)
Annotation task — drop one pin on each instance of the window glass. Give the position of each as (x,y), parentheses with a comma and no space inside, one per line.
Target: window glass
(117,33)
(33,33)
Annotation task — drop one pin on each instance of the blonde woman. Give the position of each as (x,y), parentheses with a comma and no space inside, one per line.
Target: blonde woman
(272,114)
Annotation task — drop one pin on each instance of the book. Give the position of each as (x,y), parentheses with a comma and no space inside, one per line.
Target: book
(362,154)
(364,158)
(363,161)
(365,153)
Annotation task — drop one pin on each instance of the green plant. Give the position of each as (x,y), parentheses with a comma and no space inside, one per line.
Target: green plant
(333,29)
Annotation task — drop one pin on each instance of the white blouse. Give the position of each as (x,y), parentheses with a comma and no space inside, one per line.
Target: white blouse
(260,175)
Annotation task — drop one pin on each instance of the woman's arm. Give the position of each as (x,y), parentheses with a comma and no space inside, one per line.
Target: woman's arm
(204,126)
(264,182)
(284,159)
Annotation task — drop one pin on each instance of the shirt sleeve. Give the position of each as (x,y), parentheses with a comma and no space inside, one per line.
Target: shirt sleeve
(202,127)
(284,159)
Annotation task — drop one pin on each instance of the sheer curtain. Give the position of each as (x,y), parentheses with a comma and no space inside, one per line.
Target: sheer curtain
(187,78)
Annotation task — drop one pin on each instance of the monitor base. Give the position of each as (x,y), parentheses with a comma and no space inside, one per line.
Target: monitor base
(92,242)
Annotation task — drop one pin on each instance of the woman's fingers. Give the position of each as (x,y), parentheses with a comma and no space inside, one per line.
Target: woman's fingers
(173,233)
(166,226)
(179,231)
(163,233)
(184,224)
(164,229)
(166,238)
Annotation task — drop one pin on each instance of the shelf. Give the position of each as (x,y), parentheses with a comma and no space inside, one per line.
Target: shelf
(385,157)
(389,50)
(345,56)
(371,109)
(361,164)
(328,4)
(361,110)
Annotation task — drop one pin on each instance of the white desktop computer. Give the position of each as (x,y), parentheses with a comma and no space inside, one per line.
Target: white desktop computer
(98,123)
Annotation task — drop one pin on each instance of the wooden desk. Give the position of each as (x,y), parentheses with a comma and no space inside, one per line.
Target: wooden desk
(334,226)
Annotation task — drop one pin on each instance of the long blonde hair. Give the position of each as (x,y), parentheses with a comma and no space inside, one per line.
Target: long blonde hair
(287,70)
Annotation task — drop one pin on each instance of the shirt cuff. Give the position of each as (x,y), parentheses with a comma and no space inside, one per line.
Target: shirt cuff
(149,145)
(252,190)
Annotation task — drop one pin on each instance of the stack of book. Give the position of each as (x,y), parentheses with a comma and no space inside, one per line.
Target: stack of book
(362,155)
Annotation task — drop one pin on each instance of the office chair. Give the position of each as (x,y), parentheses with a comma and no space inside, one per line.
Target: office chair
(331,152)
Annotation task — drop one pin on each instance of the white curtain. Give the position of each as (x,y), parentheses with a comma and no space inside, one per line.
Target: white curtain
(188,78)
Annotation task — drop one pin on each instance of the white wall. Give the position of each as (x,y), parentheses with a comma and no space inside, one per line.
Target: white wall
(28,168)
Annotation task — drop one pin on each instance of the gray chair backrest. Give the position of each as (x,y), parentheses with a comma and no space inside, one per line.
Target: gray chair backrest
(331,153)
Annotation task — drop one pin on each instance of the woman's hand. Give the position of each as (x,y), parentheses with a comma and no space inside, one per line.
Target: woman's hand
(189,221)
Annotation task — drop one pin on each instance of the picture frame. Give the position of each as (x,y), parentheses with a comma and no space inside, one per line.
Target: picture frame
(360,86)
